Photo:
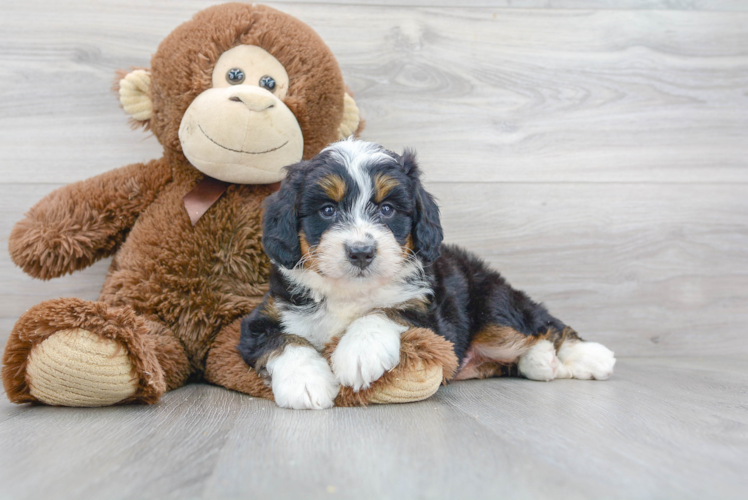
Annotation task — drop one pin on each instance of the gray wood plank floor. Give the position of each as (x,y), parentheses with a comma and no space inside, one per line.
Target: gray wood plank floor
(595,152)
(662,428)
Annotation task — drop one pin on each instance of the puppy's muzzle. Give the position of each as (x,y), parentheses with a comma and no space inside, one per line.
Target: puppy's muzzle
(361,254)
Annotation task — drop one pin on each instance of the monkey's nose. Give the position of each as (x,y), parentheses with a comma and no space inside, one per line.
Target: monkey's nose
(255,100)
(361,255)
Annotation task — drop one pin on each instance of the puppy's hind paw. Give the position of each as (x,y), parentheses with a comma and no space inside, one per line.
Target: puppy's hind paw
(586,360)
(540,362)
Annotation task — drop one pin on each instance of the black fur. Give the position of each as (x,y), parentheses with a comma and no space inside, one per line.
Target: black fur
(280,236)
(264,334)
(469,296)
(427,229)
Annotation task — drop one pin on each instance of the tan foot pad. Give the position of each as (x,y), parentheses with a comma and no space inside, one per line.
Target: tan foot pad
(422,383)
(78,368)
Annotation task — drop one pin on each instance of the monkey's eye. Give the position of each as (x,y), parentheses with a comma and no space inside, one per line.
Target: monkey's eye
(235,76)
(386,210)
(328,211)
(268,83)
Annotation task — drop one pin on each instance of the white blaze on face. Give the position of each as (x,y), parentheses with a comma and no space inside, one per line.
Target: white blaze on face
(358,225)
(243,133)
(332,256)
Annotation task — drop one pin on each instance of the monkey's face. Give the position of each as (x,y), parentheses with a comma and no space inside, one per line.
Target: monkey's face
(242,90)
(240,130)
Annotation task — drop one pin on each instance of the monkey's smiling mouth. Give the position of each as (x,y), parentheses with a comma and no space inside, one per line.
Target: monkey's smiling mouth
(240,150)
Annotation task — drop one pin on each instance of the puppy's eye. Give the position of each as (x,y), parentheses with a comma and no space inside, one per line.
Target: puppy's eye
(235,76)
(387,210)
(268,83)
(328,211)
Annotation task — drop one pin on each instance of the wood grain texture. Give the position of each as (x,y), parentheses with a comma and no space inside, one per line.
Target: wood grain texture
(647,269)
(594,152)
(661,428)
(714,5)
(534,95)
(596,157)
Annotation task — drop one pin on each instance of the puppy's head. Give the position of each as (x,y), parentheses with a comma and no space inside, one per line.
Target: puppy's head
(355,211)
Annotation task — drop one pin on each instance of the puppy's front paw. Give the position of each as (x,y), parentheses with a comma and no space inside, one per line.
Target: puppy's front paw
(587,360)
(302,379)
(370,347)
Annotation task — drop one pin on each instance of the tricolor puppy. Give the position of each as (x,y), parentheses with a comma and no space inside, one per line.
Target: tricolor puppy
(357,252)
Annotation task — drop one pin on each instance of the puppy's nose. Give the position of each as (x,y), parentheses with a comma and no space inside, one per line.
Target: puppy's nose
(361,255)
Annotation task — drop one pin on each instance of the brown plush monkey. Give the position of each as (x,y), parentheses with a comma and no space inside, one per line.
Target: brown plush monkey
(233,95)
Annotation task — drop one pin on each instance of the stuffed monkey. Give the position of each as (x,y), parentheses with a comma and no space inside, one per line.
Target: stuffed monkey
(233,95)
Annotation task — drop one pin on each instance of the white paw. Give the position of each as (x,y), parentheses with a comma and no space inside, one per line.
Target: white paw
(370,347)
(587,360)
(540,362)
(302,379)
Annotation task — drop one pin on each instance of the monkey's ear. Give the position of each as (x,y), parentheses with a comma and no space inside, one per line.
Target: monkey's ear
(134,90)
(352,123)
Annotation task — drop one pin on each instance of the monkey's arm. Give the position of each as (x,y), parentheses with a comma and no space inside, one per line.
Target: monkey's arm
(78,224)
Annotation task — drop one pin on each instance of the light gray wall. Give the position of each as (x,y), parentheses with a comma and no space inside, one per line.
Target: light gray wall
(598,158)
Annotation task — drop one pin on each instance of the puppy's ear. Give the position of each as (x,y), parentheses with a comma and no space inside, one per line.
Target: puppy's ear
(427,228)
(280,224)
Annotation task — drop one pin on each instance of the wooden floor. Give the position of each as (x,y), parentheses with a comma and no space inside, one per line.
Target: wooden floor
(663,428)
(595,151)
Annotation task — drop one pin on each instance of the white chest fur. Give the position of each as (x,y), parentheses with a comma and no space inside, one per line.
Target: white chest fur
(337,305)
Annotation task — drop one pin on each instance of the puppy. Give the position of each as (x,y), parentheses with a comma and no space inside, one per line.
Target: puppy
(357,253)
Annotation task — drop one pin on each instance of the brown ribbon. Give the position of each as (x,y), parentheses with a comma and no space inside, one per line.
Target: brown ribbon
(203,196)
(207,192)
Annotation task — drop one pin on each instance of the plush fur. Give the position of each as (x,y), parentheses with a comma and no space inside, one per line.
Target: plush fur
(174,291)
(182,66)
(357,249)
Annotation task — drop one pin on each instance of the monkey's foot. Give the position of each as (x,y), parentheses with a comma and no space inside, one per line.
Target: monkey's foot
(77,368)
(70,352)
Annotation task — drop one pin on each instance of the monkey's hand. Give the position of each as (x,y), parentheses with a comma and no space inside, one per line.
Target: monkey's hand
(426,360)
(78,224)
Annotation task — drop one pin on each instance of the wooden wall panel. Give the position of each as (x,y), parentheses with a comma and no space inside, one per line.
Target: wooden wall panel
(596,156)
(507,95)
(647,269)
(713,5)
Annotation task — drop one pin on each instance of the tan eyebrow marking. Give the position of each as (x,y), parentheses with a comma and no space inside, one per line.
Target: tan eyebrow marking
(383,184)
(333,186)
